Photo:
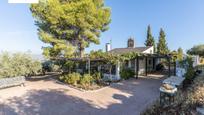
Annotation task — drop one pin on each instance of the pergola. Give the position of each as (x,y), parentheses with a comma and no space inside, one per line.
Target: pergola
(137,65)
(154,56)
(84,59)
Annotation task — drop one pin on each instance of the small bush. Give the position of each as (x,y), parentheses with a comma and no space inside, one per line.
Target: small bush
(97,77)
(73,78)
(127,73)
(62,78)
(190,74)
(49,66)
(86,80)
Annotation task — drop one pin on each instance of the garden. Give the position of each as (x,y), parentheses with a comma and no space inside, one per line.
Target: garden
(189,99)
(78,75)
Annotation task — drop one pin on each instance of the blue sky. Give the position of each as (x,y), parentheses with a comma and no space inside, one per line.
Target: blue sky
(182,20)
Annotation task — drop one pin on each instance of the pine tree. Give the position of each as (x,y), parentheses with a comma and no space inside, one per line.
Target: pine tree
(150,39)
(180,53)
(69,26)
(162,47)
(197,50)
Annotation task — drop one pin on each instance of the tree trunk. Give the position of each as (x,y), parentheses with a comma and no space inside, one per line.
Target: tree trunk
(110,69)
(81,51)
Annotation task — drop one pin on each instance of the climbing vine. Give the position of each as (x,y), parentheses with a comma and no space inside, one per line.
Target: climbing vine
(112,58)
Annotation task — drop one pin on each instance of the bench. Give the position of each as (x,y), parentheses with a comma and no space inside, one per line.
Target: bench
(174,80)
(14,81)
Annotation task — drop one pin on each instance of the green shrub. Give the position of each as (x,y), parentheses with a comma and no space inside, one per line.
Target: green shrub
(72,78)
(97,77)
(190,70)
(55,68)
(50,66)
(62,78)
(127,73)
(86,80)
(18,64)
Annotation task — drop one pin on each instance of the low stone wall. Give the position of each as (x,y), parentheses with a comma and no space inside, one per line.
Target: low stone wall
(9,82)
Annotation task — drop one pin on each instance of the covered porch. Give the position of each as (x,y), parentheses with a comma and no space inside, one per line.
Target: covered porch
(143,65)
(146,65)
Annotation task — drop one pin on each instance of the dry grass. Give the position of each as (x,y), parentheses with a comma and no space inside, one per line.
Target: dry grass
(196,92)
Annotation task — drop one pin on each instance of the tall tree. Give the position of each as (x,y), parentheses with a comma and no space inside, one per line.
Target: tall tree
(162,47)
(180,53)
(197,50)
(69,26)
(150,39)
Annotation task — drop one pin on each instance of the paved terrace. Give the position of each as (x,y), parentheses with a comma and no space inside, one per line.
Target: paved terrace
(46,97)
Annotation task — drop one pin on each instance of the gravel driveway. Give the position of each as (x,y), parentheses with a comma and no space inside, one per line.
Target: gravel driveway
(47,97)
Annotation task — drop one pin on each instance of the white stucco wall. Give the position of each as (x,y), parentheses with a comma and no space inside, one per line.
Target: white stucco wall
(196,60)
(142,62)
(149,51)
(141,66)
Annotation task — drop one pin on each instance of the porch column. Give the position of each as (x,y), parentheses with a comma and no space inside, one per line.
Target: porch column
(129,64)
(146,66)
(118,71)
(137,67)
(89,66)
(153,64)
(169,61)
(174,68)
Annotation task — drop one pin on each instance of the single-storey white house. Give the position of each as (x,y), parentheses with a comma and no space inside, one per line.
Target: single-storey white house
(141,65)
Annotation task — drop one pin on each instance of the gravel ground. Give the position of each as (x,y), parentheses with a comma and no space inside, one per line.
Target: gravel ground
(47,97)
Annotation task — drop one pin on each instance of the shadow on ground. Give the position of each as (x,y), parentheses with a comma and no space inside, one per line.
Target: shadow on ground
(58,102)
(46,77)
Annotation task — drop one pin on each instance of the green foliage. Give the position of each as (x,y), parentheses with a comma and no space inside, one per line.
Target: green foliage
(72,78)
(180,54)
(197,50)
(68,66)
(97,77)
(76,79)
(62,78)
(108,57)
(86,80)
(190,70)
(127,73)
(150,39)
(129,56)
(55,68)
(162,47)
(35,68)
(50,66)
(174,55)
(177,55)
(96,54)
(18,64)
(113,58)
(70,25)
